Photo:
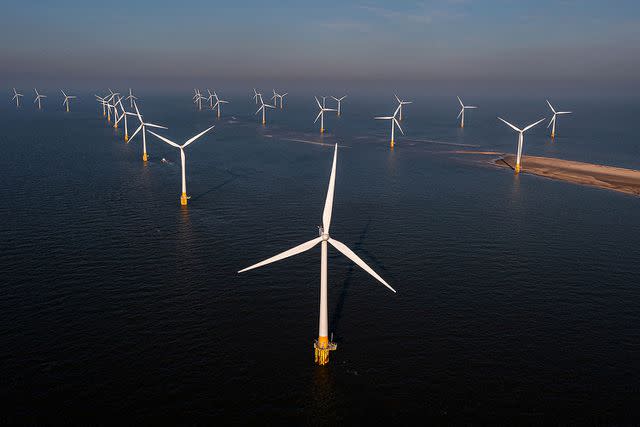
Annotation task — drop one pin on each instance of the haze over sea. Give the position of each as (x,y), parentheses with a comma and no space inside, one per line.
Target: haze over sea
(517,295)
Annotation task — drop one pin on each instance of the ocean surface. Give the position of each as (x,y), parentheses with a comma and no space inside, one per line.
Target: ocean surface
(517,296)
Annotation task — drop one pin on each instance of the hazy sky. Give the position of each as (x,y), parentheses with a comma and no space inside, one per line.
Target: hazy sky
(577,43)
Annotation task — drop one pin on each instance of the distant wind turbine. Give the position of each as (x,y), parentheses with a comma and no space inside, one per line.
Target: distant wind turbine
(197,98)
(218,103)
(321,112)
(183,196)
(554,119)
(257,96)
(131,98)
(38,98)
(124,116)
(520,139)
(66,99)
(339,100)
(461,114)
(263,108)
(401,103)
(394,122)
(143,127)
(322,346)
(16,97)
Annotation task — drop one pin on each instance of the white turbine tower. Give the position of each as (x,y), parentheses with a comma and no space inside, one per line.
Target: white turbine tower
(461,114)
(520,140)
(38,98)
(263,108)
(321,112)
(66,99)
(322,345)
(16,97)
(124,116)
(143,126)
(394,122)
(218,103)
(554,119)
(183,196)
(400,104)
(339,100)
(131,98)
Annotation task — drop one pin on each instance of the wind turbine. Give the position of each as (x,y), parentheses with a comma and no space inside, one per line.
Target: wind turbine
(197,98)
(461,114)
(339,100)
(257,95)
(554,119)
(321,113)
(322,346)
(102,101)
(400,104)
(38,98)
(218,102)
(66,99)
(124,116)
(131,98)
(210,99)
(394,122)
(264,107)
(520,139)
(16,96)
(116,118)
(143,126)
(277,96)
(183,197)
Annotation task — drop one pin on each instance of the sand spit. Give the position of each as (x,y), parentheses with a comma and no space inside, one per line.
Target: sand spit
(607,177)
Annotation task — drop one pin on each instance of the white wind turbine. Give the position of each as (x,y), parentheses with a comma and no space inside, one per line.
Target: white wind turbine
(277,96)
(16,97)
(38,98)
(143,126)
(66,99)
(257,96)
(322,345)
(197,98)
(218,103)
(321,112)
(102,101)
(210,99)
(183,196)
(131,98)
(108,100)
(400,104)
(123,116)
(520,139)
(394,122)
(554,119)
(339,100)
(263,108)
(461,114)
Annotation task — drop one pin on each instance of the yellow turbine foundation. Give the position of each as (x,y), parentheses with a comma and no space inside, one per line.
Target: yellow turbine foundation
(322,347)
(183,199)
(145,157)
(553,135)
(126,138)
(321,130)
(392,143)
(518,168)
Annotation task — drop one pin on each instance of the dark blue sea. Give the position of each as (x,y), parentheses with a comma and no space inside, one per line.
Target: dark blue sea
(517,296)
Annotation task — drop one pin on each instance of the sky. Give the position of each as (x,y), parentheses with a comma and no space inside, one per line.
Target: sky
(576,44)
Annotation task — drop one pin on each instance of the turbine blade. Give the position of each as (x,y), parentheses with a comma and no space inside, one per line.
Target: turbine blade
(512,126)
(554,111)
(162,138)
(189,141)
(328,204)
(318,116)
(136,132)
(551,121)
(151,125)
(355,258)
(286,254)
(533,124)
(460,113)
(398,123)
(564,112)
(384,118)
(460,101)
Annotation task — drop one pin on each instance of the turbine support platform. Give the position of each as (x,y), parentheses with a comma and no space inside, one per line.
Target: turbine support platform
(392,143)
(183,199)
(145,157)
(517,169)
(322,346)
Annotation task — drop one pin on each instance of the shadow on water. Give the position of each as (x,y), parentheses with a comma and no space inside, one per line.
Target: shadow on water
(337,314)
(219,186)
